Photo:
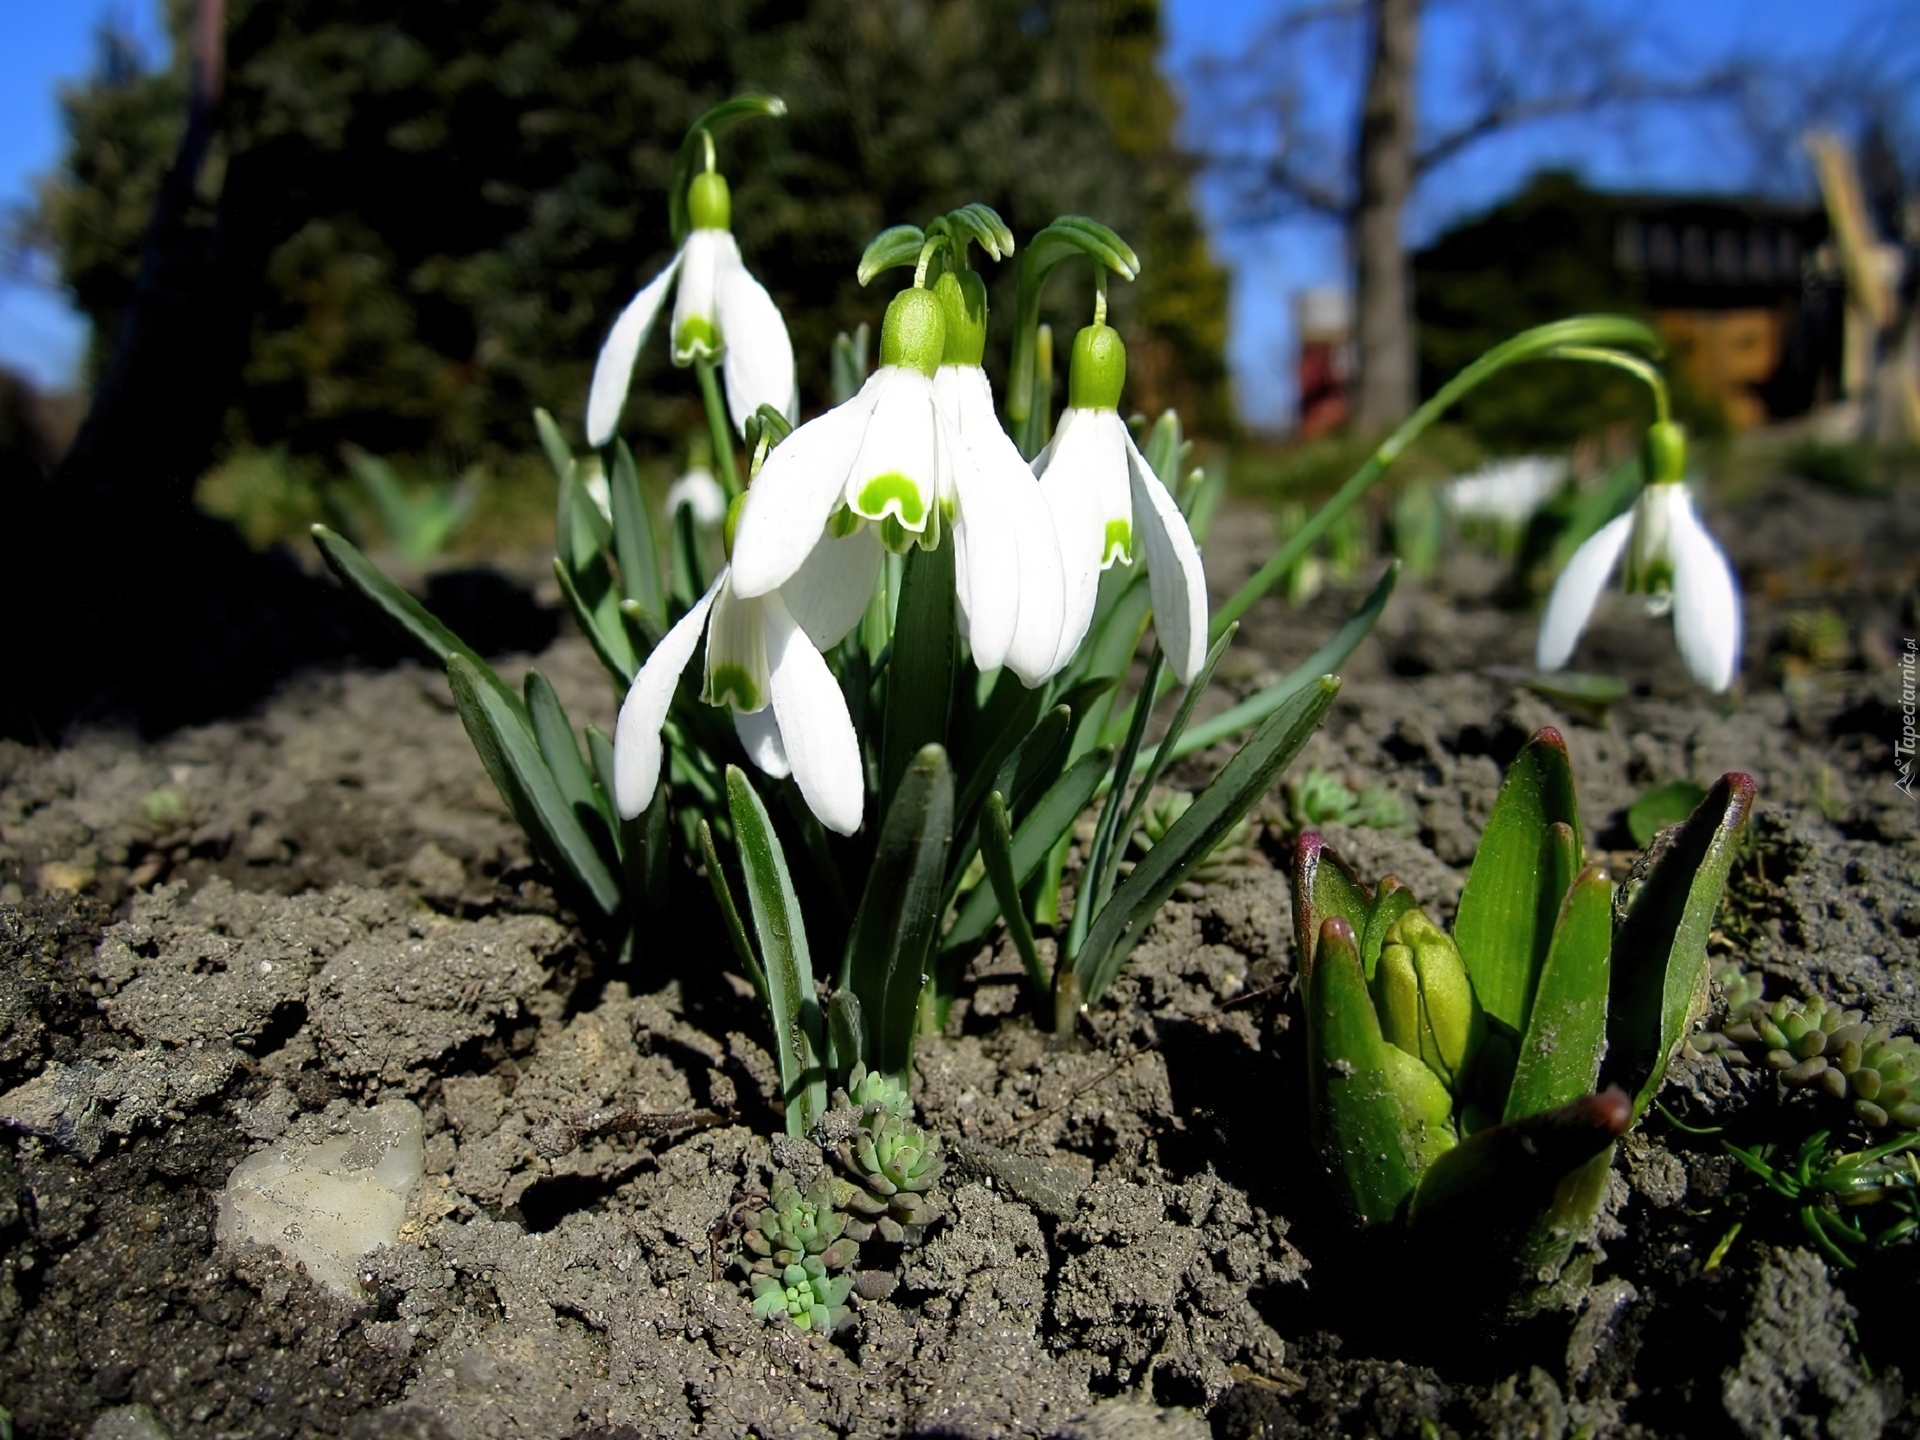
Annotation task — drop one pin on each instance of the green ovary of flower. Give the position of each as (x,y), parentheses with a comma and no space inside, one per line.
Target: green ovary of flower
(893,494)
(696,339)
(732,685)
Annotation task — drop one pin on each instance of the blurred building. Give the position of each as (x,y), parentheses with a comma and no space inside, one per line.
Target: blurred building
(1742,290)
(1735,291)
(1323,319)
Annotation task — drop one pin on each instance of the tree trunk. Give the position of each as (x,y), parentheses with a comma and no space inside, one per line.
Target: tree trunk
(1383,301)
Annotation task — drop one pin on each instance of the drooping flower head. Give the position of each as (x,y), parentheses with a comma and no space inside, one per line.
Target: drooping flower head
(880,462)
(699,492)
(763,662)
(720,313)
(1108,506)
(1006,557)
(1671,560)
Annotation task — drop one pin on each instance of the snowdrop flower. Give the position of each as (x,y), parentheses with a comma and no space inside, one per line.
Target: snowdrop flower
(1104,496)
(720,312)
(1006,557)
(763,661)
(1507,492)
(700,493)
(881,462)
(1671,560)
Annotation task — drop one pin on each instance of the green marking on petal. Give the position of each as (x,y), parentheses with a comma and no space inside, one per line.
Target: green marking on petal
(1119,543)
(892,494)
(696,339)
(729,684)
(842,523)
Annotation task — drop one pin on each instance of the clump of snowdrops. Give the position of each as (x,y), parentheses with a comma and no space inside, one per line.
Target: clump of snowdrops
(943,621)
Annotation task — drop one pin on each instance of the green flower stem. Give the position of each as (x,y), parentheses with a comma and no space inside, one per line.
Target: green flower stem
(1543,342)
(717,426)
(1640,369)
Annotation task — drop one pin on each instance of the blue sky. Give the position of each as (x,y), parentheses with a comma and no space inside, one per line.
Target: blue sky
(47,42)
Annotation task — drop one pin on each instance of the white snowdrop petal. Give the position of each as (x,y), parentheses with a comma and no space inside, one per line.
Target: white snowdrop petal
(1069,487)
(613,371)
(897,471)
(1577,591)
(1036,635)
(815,728)
(701,493)
(797,490)
(636,734)
(696,322)
(758,365)
(759,734)
(1174,574)
(986,544)
(1706,600)
(828,594)
(1111,488)
(737,668)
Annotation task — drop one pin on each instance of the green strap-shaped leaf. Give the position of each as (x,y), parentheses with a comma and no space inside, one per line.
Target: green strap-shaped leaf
(1486,1194)
(554,734)
(1567,1029)
(512,757)
(996,849)
(689,574)
(634,544)
(1379,1116)
(998,731)
(920,673)
(559,454)
(1169,744)
(1029,768)
(1323,889)
(1508,907)
(1097,878)
(647,855)
(896,245)
(354,569)
(693,149)
(600,623)
(894,928)
(1326,660)
(849,365)
(846,1034)
(1214,812)
(600,759)
(1166,450)
(793,1006)
(1050,817)
(1660,943)
(730,912)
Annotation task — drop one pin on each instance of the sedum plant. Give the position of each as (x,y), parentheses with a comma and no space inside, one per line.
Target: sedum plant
(913,655)
(1814,1043)
(1472,1083)
(792,1227)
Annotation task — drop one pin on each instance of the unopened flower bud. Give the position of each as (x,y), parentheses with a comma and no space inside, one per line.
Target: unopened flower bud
(1424,999)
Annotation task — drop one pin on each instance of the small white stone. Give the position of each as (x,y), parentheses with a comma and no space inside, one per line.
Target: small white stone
(327,1205)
